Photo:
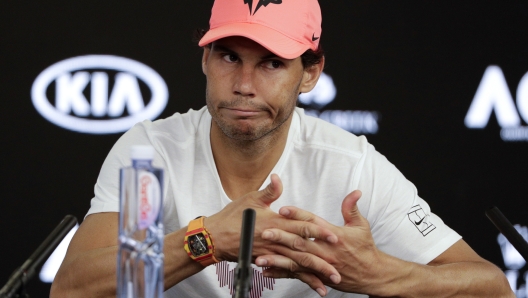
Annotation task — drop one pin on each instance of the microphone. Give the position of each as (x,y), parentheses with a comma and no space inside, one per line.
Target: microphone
(507,229)
(19,278)
(243,271)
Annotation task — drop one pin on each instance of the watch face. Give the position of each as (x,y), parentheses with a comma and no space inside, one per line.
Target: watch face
(198,245)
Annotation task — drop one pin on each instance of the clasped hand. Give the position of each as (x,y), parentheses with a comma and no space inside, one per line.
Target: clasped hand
(343,258)
(355,255)
(225,227)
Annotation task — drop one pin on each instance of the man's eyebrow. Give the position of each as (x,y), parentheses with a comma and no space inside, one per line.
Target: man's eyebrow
(221,48)
(270,56)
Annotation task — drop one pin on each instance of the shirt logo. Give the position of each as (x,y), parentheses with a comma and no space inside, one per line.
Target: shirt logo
(260,4)
(420,220)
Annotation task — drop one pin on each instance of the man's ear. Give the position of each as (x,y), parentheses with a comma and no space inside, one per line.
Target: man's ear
(311,76)
(205,56)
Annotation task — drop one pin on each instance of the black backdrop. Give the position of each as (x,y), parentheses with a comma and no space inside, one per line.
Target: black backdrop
(418,64)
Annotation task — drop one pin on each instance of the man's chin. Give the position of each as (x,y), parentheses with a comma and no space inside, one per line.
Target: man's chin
(242,135)
(244,130)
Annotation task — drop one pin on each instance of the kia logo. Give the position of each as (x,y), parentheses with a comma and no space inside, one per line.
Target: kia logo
(73,111)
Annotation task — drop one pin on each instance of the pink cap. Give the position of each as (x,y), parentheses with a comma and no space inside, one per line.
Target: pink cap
(286,28)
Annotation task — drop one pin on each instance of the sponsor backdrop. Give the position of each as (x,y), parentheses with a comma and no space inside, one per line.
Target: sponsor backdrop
(440,88)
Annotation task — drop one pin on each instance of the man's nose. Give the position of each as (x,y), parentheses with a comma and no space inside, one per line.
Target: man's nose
(245,81)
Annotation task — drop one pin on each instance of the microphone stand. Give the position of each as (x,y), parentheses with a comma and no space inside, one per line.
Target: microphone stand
(243,271)
(15,286)
(507,229)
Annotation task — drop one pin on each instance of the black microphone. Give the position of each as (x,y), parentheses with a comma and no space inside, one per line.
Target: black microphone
(243,271)
(507,229)
(22,275)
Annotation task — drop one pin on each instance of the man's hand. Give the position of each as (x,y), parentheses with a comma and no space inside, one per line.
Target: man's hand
(458,271)
(355,255)
(225,227)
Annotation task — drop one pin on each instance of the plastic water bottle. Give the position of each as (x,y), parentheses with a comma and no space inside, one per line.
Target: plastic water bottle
(140,256)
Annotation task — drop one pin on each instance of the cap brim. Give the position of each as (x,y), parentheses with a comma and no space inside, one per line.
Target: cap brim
(274,41)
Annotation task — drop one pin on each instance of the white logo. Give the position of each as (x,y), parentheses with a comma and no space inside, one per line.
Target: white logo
(50,268)
(323,93)
(514,261)
(71,108)
(493,95)
(512,258)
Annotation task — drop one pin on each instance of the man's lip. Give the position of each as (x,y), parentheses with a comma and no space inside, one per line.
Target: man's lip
(243,112)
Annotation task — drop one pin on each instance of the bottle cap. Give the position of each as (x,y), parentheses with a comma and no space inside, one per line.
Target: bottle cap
(142,152)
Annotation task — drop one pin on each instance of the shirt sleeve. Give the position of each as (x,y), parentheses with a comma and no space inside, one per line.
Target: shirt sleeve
(402,223)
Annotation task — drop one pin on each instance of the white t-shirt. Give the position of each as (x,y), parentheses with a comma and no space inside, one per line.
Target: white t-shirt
(320,165)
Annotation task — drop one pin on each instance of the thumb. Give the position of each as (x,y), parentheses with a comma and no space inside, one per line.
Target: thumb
(272,192)
(350,210)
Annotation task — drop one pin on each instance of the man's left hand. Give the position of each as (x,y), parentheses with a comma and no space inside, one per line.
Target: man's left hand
(355,255)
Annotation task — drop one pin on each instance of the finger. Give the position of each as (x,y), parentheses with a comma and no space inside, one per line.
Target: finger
(293,241)
(307,225)
(303,215)
(309,230)
(294,261)
(350,211)
(308,278)
(272,191)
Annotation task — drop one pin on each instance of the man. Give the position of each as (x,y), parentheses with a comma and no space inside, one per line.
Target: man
(252,148)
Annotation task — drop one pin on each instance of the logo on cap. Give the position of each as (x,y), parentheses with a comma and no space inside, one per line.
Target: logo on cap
(260,4)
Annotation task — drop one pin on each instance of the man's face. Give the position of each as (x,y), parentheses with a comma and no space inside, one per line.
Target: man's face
(250,91)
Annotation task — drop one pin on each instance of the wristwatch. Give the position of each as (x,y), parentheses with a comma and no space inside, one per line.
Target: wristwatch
(198,242)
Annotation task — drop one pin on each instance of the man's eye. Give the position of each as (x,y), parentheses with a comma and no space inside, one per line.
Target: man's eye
(273,64)
(230,58)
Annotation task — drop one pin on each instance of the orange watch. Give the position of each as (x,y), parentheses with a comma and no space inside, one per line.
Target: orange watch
(198,243)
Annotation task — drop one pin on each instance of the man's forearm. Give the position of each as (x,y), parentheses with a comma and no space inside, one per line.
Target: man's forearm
(463,279)
(93,273)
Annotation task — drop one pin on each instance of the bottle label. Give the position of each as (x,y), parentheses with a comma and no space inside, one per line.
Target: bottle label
(149,199)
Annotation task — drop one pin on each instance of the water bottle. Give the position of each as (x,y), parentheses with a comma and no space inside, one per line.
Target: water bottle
(140,255)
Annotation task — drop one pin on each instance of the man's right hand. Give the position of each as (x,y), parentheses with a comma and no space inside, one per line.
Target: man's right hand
(89,268)
(225,226)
